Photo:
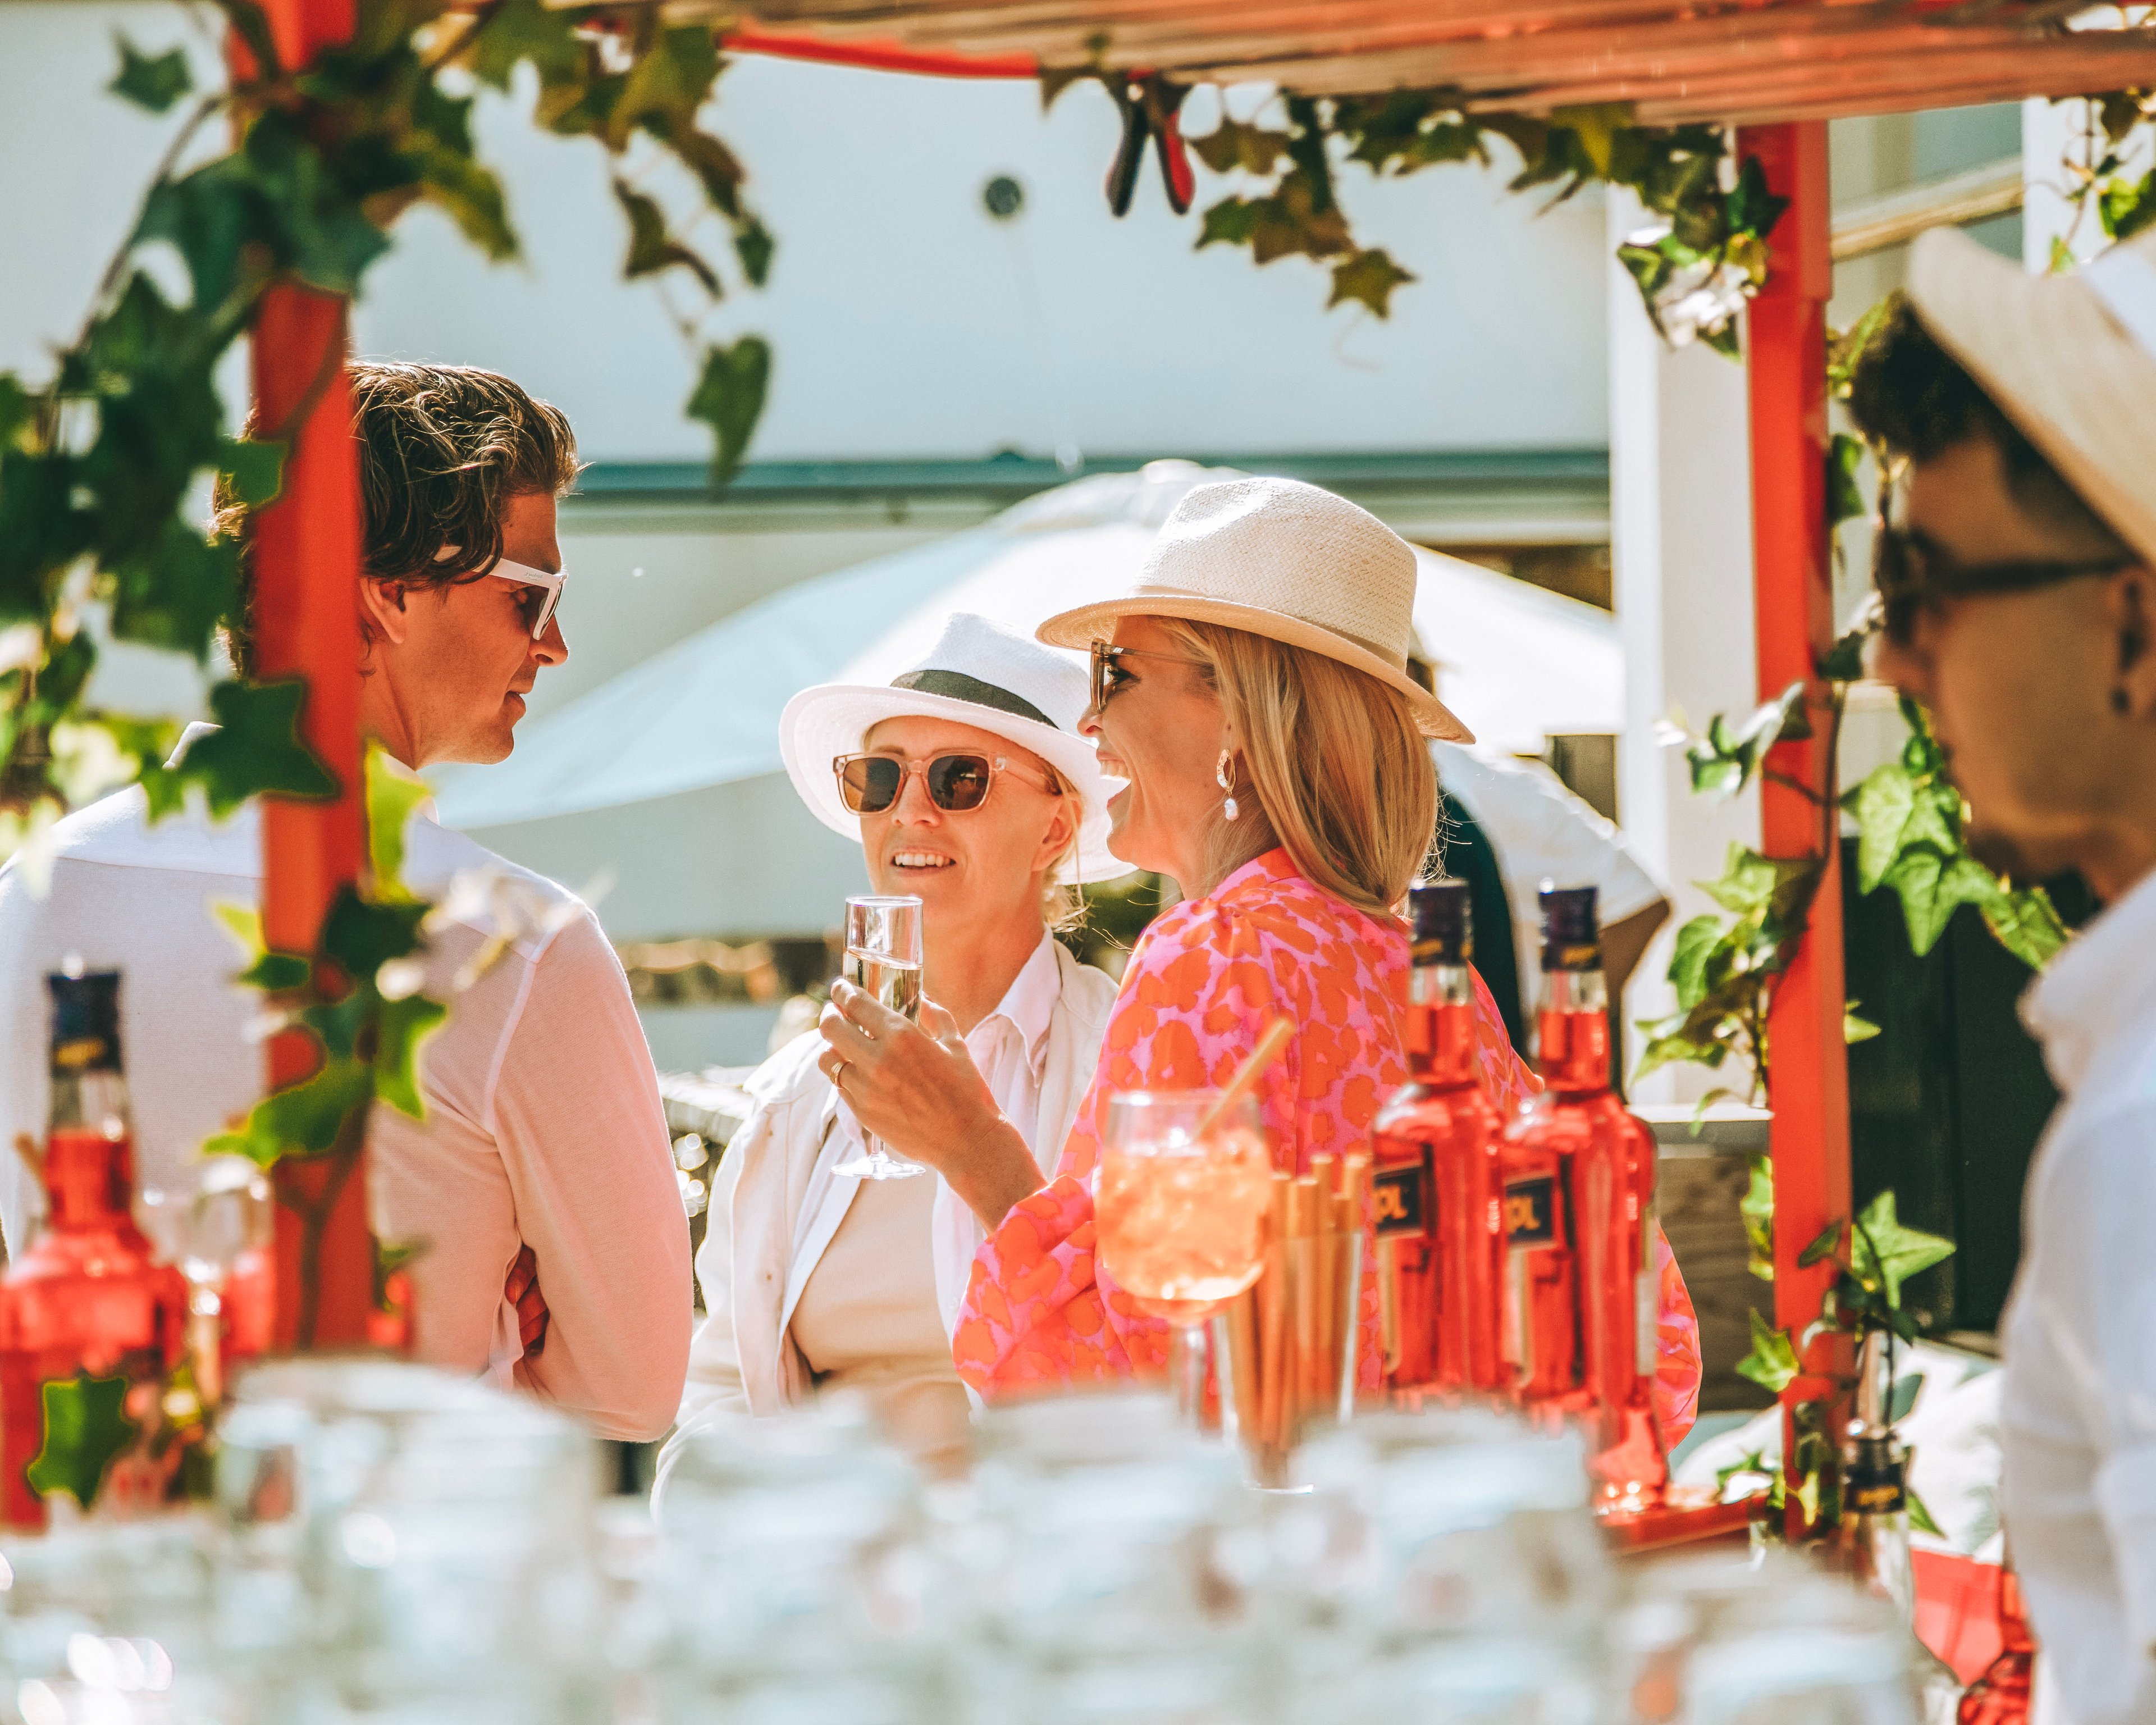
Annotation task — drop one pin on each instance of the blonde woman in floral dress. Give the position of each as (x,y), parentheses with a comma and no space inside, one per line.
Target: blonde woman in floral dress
(1252,691)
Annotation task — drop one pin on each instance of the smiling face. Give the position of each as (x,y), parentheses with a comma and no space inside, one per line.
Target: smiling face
(1162,731)
(981,864)
(449,663)
(2020,686)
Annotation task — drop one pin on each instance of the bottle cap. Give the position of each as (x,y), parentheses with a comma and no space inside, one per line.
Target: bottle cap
(85,1021)
(1572,934)
(1441,922)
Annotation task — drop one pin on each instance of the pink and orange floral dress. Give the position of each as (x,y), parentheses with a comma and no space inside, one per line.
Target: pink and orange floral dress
(1204,980)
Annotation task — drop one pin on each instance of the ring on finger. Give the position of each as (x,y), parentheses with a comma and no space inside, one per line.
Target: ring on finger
(839,1072)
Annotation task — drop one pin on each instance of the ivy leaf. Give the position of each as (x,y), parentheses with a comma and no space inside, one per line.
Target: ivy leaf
(1231,222)
(402,1031)
(1825,1245)
(152,82)
(467,192)
(1695,945)
(85,1428)
(1771,1363)
(1235,144)
(1753,209)
(1845,496)
(2026,924)
(255,749)
(1921,1520)
(1369,276)
(729,398)
(1884,1253)
(753,245)
(394,794)
(253,472)
(1856,1028)
(174,592)
(302,1119)
(360,937)
(1844,351)
(1757,1208)
(1596,125)
(1844,662)
(651,248)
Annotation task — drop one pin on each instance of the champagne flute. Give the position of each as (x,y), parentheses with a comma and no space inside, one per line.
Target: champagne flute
(883,955)
(1181,1208)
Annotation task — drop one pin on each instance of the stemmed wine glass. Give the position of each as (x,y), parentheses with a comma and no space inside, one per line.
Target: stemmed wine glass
(883,955)
(1182,1200)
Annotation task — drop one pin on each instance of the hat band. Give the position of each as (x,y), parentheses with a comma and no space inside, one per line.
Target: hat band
(957,685)
(1391,655)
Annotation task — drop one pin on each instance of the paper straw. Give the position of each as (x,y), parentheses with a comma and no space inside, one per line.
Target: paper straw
(1270,1042)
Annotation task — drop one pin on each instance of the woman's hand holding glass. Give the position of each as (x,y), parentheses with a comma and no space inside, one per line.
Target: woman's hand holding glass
(913,1086)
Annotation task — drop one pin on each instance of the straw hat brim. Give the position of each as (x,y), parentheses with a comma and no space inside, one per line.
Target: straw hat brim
(1087,624)
(2050,356)
(822,723)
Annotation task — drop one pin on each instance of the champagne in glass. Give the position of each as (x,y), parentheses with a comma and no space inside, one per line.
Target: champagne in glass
(1181,1206)
(883,955)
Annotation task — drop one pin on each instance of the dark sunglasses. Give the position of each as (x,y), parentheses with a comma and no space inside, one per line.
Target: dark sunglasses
(870,785)
(1913,573)
(1108,673)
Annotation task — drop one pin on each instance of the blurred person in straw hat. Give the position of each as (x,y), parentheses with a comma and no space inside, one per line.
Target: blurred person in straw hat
(968,785)
(1252,690)
(2013,570)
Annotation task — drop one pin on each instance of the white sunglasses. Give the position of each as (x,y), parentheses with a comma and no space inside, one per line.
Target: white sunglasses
(524,575)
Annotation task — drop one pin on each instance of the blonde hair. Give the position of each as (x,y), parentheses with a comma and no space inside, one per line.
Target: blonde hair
(1339,773)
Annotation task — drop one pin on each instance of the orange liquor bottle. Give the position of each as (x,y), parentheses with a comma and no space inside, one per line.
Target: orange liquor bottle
(1439,1190)
(87,1315)
(1580,1194)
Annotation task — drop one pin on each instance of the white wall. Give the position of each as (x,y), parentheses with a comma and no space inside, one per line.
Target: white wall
(905,322)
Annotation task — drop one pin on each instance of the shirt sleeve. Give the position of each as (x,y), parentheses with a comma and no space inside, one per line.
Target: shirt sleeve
(1541,829)
(575,1111)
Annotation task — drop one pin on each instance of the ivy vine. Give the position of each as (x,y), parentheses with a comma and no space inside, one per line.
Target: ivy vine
(103,465)
(1700,257)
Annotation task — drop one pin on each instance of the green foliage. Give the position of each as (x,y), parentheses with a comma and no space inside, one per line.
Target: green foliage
(1704,256)
(1909,820)
(85,1428)
(1771,1363)
(729,398)
(99,462)
(356,997)
(151,82)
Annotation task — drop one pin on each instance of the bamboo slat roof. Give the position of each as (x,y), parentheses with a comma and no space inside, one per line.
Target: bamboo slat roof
(1675,60)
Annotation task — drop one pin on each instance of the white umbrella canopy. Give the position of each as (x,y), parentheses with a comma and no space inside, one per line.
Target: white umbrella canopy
(1516,663)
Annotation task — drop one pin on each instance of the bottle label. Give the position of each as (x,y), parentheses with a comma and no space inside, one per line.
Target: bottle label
(1873,1490)
(1530,1211)
(1400,1198)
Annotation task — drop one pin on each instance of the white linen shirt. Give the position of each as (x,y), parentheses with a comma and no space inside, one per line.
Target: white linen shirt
(2078,1410)
(543,1123)
(778,1201)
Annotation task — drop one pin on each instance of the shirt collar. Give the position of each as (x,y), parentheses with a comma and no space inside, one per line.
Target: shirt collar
(1028,1003)
(2093,992)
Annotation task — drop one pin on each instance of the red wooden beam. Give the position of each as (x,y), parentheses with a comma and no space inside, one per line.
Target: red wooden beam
(1792,590)
(877,55)
(306,551)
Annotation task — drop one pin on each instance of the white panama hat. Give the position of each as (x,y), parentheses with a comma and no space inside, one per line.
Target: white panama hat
(2069,359)
(978,673)
(1288,561)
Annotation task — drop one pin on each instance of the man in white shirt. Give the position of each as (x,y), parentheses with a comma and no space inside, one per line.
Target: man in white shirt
(543,1132)
(2020,607)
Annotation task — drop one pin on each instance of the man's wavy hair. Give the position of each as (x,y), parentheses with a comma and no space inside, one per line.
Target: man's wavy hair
(442,450)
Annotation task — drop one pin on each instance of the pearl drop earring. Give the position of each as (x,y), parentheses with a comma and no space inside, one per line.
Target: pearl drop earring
(1220,777)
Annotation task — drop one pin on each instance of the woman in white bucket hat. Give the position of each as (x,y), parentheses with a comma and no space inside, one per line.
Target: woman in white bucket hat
(1252,689)
(968,783)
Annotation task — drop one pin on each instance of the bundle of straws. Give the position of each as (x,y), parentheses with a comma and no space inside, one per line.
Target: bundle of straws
(1290,1338)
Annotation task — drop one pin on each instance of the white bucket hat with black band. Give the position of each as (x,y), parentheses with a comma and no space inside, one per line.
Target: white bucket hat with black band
(980,674)
(2069,359)
(1288,561)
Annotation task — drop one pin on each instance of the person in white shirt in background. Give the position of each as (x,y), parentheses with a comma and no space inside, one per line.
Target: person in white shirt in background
(2014,572)
(1529,827)
(544,1144)
(815,1280)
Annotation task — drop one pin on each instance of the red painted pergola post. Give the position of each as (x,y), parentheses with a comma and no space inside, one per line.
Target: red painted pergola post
(306,553)
(1793,585)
